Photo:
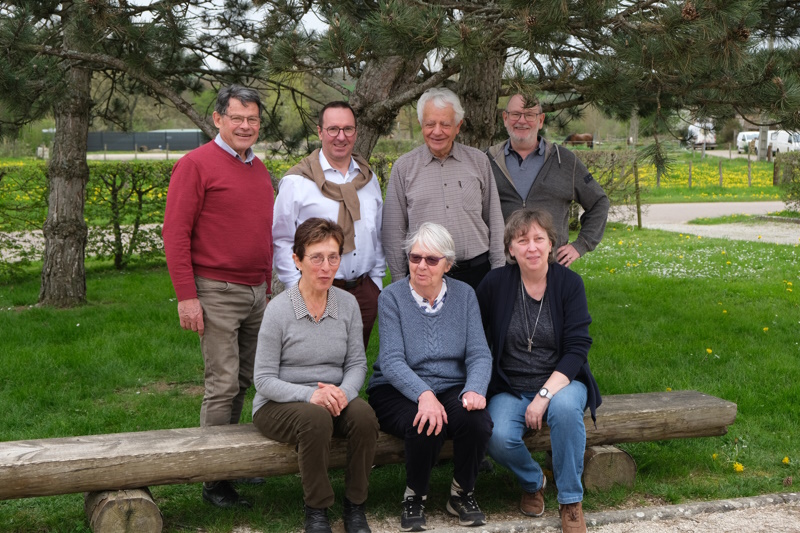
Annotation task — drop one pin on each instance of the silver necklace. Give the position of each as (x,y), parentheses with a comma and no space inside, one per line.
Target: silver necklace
(525,313)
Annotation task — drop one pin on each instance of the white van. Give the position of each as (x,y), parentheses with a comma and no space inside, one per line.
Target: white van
(700,134)
(743,140)
(784,141)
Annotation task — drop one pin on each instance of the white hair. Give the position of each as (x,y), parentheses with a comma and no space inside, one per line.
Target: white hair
(441,98)
(434,238)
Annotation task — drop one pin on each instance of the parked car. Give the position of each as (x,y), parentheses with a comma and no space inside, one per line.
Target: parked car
(743,140)
(784,141)
(702,134)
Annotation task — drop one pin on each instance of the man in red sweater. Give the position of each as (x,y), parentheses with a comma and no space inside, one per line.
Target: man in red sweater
(218,241)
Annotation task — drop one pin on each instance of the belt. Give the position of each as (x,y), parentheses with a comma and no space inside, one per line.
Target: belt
(466,264)
(350,283)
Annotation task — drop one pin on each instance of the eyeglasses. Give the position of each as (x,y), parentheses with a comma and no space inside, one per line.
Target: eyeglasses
(516,115)
(318,259)
(333,131)
(238,120)
(431,261)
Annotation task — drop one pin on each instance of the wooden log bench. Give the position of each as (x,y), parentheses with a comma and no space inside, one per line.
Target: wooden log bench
(138,460)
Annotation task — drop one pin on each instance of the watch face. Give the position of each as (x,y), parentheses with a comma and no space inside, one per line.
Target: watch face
(543,392)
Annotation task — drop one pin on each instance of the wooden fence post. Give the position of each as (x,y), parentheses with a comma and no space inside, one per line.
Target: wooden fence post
(637,192)
(776,169)
(749,171)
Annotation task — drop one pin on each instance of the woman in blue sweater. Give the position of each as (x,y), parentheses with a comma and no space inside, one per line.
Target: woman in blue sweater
(537,320)
(431,375)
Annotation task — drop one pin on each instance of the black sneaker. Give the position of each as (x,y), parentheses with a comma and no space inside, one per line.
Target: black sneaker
(355,520)
(466,509)
(413,517)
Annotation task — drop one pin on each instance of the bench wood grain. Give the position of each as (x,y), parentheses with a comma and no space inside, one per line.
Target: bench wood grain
(47,467)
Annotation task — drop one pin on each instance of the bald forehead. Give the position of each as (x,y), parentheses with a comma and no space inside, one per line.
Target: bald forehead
(517,103)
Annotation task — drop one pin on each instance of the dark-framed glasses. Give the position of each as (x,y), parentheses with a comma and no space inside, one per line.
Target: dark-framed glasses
(333,131)
(530,116)
(238,120)
(318,259)
(430,260)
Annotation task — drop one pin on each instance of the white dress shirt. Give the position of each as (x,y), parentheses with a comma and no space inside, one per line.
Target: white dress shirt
(299,199)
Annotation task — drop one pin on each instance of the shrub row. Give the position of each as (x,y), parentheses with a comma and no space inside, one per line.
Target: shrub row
(125,200)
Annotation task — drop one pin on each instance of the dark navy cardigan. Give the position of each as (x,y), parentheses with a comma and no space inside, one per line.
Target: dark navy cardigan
(570,313)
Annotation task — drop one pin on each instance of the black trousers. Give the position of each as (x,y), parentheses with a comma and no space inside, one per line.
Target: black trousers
(472,270)
(470,431)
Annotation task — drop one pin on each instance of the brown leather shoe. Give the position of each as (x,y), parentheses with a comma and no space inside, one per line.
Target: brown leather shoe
(572,520)
(532,503)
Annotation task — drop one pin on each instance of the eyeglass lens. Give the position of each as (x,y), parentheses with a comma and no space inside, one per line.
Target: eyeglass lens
(317,260)
(515,115)
(431,261)
(333,131)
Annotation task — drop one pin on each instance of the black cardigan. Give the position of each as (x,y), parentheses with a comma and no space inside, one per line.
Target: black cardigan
(570,313)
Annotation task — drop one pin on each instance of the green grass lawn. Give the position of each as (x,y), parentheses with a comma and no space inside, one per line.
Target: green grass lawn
(669,312)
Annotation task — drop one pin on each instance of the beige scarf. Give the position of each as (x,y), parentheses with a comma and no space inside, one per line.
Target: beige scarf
(346,194)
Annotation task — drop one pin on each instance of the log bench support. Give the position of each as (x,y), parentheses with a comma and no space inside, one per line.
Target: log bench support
(124,461)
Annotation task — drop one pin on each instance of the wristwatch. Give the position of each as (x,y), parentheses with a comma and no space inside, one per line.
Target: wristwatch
(544,393)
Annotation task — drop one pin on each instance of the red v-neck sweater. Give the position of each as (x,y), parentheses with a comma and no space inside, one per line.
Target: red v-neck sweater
(218,220)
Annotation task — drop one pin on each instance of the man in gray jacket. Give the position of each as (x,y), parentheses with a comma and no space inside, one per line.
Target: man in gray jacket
(533,173)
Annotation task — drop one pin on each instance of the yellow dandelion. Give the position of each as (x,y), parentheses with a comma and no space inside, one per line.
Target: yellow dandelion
(669,389)
(785,460)
(727,262)
(723,252)
(714,456)
(620,242)
(709,350)
(766,330)
(759,236)
(724,311)
(738,467)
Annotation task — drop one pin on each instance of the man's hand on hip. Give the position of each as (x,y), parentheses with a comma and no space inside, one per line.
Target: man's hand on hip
(567,254)
(191,315)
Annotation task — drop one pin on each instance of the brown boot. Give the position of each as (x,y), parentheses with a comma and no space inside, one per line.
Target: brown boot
(532,503)
(572,520)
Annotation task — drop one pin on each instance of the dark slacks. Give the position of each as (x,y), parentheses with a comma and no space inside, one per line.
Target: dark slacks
(469,430)
(366,293)
(472,270)
(310,428)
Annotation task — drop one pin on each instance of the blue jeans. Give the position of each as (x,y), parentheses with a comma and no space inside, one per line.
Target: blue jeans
(564,416)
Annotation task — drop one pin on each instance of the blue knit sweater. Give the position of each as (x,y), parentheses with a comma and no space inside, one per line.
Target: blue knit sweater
(437,351)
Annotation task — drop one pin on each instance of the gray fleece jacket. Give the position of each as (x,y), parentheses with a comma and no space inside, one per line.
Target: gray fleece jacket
(562,179)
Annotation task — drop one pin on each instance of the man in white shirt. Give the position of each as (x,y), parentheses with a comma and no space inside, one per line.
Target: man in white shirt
(334,184)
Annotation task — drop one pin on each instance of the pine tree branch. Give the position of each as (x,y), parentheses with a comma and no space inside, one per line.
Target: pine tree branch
(156,86)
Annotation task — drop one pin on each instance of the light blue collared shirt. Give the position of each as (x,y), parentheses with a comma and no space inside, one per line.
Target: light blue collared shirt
(523,172)
(249,154)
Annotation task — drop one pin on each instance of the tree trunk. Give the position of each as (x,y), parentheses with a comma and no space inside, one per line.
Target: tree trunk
(382,79)
(63,271)
(479,90)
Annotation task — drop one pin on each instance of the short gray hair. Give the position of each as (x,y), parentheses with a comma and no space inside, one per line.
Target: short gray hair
(434,238)
(441,98)
(245,95)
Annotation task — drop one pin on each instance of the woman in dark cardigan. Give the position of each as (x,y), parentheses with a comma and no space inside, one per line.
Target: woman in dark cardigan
(537,321)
